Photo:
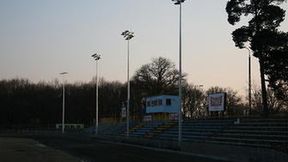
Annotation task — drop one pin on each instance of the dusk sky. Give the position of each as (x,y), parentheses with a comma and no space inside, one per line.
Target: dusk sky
(41,38)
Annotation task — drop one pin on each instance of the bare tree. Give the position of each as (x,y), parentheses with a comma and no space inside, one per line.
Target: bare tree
(193,101)
(158,77)
(275,105)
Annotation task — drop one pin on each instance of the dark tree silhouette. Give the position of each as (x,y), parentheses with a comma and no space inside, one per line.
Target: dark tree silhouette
(276,105)
(193,101)
(29,105)
(158,77)
(266,16)
(277,66)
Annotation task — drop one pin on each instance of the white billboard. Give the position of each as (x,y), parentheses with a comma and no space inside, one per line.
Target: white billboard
(162,104)
(217,101)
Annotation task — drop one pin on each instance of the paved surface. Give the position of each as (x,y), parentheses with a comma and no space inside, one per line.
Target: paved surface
(48,150)
(103,151)
(215,151)
(236,153)
(53,148)
(29,150)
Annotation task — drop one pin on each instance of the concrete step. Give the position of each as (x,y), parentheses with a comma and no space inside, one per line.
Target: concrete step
(245,140)
(264,123)
(264,120)
(254,136)
(203,126)
(240,144)
(253,131)
(244,127)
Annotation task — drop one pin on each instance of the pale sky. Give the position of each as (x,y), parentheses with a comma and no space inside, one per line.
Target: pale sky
(41,38)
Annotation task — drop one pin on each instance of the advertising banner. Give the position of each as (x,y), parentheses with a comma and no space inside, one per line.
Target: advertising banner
(162,104)
(217,101)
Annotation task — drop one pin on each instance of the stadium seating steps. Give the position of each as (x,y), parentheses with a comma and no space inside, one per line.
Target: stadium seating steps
(253,132)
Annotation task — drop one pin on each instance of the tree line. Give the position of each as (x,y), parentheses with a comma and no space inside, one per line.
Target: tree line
(28,104)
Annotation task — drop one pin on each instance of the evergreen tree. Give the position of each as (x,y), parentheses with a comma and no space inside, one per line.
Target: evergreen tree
(266,16)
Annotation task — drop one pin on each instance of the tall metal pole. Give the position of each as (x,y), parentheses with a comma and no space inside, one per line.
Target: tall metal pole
(179,2)
(128,90)
(63,103)
(180,78)
(96,57)
(97,116)
(63,109)
(128,35)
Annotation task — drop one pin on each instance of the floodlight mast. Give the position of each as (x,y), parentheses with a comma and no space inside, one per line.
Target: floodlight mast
(179,2)
(63,103)
(128,36)
(97,58)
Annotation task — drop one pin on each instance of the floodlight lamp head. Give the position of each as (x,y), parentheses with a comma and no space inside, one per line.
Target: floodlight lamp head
(129,37)
(125,32)
(63,73)
(178,2)
(96,56)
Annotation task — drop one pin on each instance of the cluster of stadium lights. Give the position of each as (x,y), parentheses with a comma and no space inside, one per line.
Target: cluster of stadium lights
(128,36)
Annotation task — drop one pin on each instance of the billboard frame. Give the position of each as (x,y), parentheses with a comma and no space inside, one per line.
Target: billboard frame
(217,102)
